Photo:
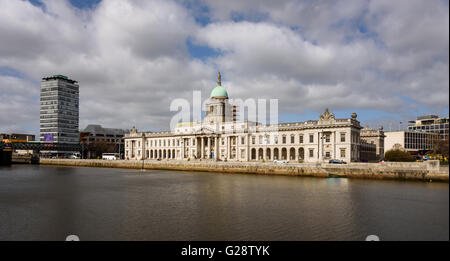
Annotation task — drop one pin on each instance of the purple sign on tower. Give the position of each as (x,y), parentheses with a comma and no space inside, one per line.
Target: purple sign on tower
(48,137)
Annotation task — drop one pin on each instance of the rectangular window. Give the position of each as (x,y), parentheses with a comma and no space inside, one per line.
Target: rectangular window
(253,139)
(292,139)
(260,140)
(311,153)
(327,154)
(284,139)
(327,138)
(301,138)
(342,137)
(311,138)
(342,153)
(275,139)
(242,140)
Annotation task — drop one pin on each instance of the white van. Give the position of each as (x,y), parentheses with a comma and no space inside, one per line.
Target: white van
(110,156)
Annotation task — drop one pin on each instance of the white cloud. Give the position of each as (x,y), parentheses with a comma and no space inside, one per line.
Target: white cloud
(131,59)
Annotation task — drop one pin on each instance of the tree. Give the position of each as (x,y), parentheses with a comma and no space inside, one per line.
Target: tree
(440,146)
(398,155)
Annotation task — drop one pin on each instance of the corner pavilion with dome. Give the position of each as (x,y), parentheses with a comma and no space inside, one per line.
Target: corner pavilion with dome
(220,137)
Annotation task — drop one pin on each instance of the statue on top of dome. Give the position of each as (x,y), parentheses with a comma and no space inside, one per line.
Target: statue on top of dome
(219,78)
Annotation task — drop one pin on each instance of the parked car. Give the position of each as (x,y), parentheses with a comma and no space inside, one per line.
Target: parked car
(336,161)
(280,161)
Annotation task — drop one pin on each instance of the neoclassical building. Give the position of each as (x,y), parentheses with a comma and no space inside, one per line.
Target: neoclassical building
(372,139)
(221,137)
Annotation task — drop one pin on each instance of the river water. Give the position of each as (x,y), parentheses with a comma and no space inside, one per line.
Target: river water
(51,202)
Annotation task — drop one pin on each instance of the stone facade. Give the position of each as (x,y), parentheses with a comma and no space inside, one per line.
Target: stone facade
(220,137)
(372,137)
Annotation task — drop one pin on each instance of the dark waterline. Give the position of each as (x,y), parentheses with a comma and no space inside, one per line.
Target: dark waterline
(51,202)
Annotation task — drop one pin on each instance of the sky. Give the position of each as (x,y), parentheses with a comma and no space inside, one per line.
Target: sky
(388,61)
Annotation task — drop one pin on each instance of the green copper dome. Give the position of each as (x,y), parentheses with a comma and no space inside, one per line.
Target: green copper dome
(219,91)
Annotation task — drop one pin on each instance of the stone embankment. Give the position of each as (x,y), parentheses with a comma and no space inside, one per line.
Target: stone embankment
(423,171)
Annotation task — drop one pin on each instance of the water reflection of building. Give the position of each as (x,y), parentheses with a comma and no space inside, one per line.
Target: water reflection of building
(219,136)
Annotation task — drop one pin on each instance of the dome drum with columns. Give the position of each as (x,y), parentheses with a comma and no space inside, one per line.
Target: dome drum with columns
(220,137)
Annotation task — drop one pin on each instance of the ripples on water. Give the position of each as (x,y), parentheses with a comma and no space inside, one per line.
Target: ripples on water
(51,202)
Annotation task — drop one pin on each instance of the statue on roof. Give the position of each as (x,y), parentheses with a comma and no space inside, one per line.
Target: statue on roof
(219,79)
(326,115)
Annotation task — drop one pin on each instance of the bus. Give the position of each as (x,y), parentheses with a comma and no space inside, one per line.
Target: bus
(110,156)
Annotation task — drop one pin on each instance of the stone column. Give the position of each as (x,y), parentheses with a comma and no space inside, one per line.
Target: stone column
(320,150)
(182,149)
(209,147)
(202,152)
(228,147)
(216,148)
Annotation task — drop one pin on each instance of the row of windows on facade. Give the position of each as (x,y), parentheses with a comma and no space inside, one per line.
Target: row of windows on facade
(103,139)
(59,98)
(59,116)
(171,142)
(61,105)
(429,127)
(59,126)
(59,121)
(70,94)
(70,90)
(105,135)
(311,153)
(75,130)
(60,134)
(66,112)
(54,84)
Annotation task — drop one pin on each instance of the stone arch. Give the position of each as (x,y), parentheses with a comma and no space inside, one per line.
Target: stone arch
(253,156)
(284,154)
(260,153)
(301,153)
(268,156)
(292,153)
(276,154)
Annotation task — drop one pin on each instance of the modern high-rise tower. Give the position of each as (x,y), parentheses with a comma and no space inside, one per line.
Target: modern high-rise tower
(59,112)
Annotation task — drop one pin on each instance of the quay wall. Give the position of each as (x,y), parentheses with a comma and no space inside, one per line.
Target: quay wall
(421,171)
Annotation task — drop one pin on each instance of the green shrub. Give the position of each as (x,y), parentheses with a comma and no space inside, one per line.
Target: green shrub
(398,155)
